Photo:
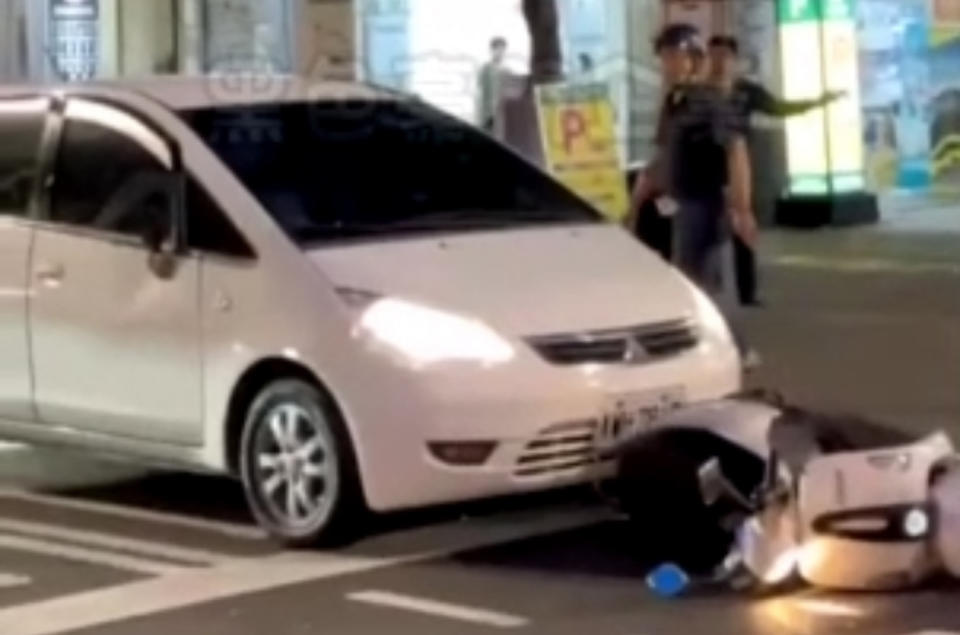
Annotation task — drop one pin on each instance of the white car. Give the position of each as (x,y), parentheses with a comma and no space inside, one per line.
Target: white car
(337,293)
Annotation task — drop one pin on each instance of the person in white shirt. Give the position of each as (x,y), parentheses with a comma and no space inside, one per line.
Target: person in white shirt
(490,84)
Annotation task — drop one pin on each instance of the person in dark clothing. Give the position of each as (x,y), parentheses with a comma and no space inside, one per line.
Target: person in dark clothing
(701,158)
(748,98)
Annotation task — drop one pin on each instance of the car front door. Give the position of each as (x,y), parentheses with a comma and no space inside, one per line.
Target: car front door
(115,321)
(22,124)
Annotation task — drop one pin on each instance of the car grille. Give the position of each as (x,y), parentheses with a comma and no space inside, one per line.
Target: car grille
(621,346)
(558,449)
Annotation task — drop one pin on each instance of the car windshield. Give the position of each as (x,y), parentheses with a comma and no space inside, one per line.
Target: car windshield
(366,170)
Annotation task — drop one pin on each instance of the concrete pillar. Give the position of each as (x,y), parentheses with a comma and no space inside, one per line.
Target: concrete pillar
(190,37)
(38,65)
(109,39)
(326,38)
(147,37)
(8,41)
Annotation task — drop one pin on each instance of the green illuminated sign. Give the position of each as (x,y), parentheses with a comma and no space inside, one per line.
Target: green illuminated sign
(819,53)
(814,10)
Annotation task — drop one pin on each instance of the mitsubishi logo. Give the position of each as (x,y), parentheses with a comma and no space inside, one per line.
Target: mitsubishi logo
(634,351)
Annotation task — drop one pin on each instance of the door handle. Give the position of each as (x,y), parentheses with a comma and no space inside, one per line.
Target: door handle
(51,274)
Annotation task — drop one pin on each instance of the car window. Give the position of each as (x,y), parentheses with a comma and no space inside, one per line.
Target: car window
(21,133)
(209,229)
(108,180)
(330,171)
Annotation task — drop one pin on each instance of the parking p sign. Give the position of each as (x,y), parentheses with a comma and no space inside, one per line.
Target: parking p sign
(580,144)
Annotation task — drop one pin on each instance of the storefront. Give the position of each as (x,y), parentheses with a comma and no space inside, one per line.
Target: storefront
(910,76)
(72,40)
(437,48)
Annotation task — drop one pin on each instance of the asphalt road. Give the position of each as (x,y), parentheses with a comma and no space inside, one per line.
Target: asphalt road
(857,322)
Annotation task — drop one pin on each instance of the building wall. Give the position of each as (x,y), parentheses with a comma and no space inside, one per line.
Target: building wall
(147,37)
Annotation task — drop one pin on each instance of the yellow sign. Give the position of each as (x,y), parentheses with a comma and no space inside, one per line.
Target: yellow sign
(580,144)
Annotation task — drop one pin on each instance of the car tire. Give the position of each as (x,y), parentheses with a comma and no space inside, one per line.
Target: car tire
(658,488)
(298,466)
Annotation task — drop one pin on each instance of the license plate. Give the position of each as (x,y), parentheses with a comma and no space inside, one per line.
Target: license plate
(629,414)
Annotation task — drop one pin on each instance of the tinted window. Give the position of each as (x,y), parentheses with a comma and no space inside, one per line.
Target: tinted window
(107,180)
(21,133)
(330,171)
(208,228)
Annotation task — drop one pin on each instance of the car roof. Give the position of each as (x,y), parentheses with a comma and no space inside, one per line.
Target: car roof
(196,92)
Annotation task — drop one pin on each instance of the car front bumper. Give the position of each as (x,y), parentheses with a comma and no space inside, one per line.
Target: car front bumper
(544,421)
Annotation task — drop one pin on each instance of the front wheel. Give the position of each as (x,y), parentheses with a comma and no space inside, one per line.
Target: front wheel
(298,466)
(659,490)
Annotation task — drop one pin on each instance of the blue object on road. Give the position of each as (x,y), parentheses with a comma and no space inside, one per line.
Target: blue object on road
(668,580)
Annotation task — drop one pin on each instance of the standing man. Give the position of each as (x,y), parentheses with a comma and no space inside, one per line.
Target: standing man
(701,156)
(490,85)
(747,98)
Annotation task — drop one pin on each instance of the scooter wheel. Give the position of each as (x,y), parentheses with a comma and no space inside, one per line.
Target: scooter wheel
(658,489)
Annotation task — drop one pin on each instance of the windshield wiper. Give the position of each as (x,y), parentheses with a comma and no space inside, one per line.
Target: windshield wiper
(434,223)
(482,218)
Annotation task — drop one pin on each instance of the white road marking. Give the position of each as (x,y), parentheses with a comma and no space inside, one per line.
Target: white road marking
(90,556)
(232,530)
(9,446)
(138,599)
(828,608)
(11,580)
(866,265)
(434,608)
(113,541)
(190,587)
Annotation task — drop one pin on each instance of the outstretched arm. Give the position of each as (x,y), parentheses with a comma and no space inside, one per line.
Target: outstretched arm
(763,101)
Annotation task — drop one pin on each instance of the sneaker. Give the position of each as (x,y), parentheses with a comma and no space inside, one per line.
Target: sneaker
(751,360)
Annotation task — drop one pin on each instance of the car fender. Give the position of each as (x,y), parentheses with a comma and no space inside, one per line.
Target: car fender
(743,423)
(945,494)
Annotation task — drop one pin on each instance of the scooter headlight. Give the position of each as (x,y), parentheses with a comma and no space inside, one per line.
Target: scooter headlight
(916,523)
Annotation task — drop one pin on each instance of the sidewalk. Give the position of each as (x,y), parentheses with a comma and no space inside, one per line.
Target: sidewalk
(864,320)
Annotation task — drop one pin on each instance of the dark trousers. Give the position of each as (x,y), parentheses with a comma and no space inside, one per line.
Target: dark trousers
(745,263)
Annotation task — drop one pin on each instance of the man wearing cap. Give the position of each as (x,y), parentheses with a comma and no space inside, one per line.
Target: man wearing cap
(748,98)
(701,154)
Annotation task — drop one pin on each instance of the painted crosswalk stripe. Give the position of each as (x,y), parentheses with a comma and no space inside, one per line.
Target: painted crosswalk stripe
(194,586)
(89,556)
(426,606)
(231,530)
(84,537)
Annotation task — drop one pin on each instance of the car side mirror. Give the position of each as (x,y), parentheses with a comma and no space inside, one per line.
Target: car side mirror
(715,486)
(156,237)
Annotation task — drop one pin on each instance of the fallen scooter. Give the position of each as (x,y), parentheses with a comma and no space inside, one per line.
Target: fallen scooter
(755,492)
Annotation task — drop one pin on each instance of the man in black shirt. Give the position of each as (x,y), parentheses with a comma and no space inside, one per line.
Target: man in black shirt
(701,167)
(747,98)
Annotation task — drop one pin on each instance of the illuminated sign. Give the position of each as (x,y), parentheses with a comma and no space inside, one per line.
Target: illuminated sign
(580,144)
(819,53)
(74,27)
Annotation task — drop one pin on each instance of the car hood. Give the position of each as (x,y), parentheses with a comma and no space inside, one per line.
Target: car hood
(522,282)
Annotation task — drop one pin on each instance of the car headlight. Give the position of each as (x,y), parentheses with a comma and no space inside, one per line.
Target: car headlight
(427,336)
